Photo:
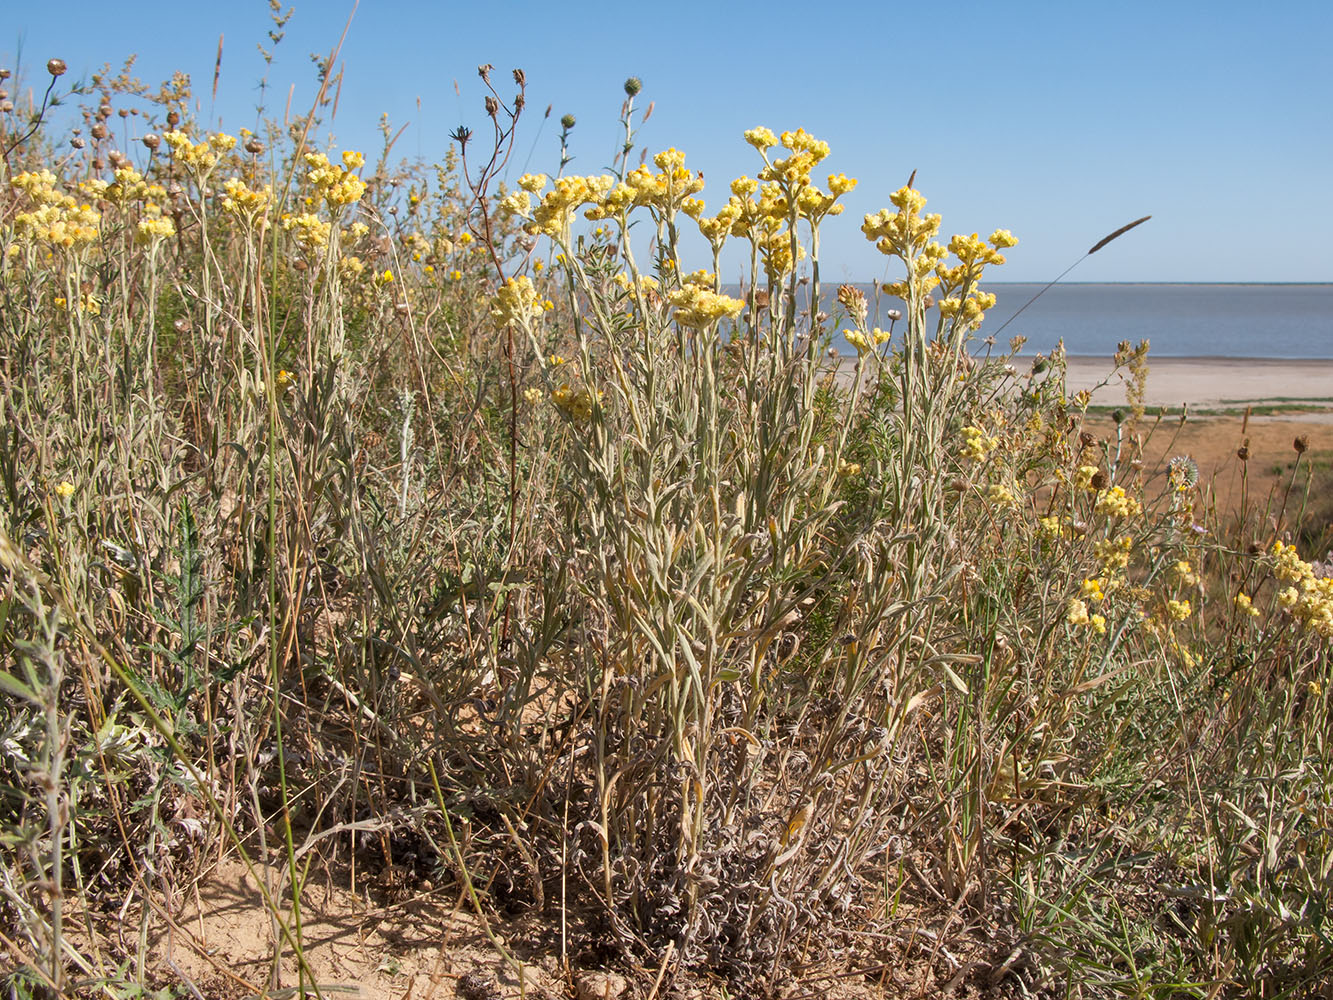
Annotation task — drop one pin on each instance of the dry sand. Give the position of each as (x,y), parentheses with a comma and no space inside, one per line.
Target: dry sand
(1212,383)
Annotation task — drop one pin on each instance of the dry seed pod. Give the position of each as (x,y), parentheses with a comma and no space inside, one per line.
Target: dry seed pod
(151,140)
(56,67)
(99,131)
(173,118)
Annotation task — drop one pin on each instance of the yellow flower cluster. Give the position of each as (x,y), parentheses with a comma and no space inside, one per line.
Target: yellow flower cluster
(153,227)
(1246,606)
(1113,554)
(310,231)
(1310,600)
(1002,496)
(64,489)
(1076,613)
(1115,502)
(1183,573)
(907,234)
(87,303)
(251,206)
(1092,589)
(647,284)
(1178,611)
(866,342)
(201,157)
(1084,475)
(516,301)
(553,214)
(338,186)
(576,404)
(1051,528)
(58,219)
(699,307)
(976,444)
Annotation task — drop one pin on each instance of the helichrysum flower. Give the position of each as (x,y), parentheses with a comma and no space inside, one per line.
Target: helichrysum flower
(64,489)
(515,301)
(576,404)
(1113,554)
(761,138)
(309,230)
(1178,610)
(699,307)
(1310,600)
(1183,573)
(977,444)
(150,231)
(1092,589)
(866,342)
(1246,606)
(1076,613)
(1115,502)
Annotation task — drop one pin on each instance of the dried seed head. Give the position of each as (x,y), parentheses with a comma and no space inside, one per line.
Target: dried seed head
(56,67)
(520,78)
(151,140)
(1301,444)
(99,131)
(77,142)
(254,146)
(633,85)
(492,106)
(6,106)
(5,74)
(1243,453)
(1099,480)
(99,163)
(123,112)
(1086,439)
(484,71)
(894,315)
(173,118)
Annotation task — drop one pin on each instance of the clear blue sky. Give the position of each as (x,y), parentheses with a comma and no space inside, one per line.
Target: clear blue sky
(1059,120)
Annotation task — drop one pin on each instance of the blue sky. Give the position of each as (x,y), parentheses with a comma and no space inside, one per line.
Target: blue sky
(1058,120)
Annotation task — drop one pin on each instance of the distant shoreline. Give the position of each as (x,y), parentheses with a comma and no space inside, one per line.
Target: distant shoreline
(1205,382)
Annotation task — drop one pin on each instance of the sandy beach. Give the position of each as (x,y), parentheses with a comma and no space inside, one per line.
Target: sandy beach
(1213,383)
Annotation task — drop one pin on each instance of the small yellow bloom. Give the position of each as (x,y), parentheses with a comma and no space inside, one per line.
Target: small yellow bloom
(1178,610)
(64,489)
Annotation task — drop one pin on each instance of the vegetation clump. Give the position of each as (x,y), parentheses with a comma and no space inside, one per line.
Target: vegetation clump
(362,518)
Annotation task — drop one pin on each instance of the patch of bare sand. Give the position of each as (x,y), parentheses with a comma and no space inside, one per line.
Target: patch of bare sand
(1212,383)
(425,947)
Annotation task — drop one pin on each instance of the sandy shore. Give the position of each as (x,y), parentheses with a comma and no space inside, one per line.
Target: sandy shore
(1230,383)
(1203,383)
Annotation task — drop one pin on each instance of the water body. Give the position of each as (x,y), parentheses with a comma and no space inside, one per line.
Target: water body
(1179,320)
